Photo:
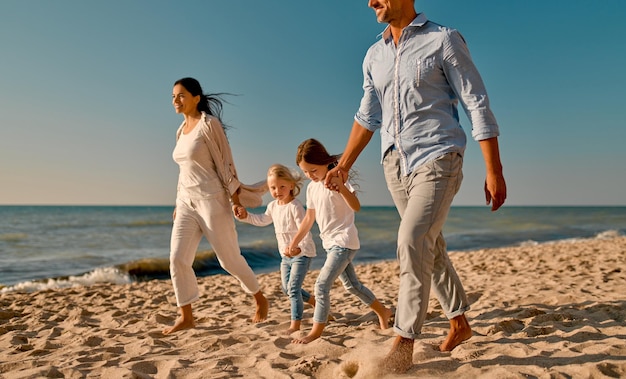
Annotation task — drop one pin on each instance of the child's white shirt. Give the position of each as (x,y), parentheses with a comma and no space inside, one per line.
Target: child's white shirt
(286,219)
(333,215)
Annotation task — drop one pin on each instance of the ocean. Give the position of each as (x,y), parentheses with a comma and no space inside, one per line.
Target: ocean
(44,247)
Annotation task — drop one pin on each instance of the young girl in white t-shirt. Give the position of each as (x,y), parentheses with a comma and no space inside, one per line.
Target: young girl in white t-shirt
(286,213)
(334,213)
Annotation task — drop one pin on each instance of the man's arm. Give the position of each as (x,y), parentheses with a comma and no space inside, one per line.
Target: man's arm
(495,186)
(359,138)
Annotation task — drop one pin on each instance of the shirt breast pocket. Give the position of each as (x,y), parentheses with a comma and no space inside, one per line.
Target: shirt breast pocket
(423,69)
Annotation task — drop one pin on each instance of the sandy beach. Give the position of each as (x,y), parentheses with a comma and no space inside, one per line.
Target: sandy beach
(555,310)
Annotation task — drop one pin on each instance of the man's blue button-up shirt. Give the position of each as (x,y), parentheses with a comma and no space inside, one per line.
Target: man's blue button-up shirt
(412,91)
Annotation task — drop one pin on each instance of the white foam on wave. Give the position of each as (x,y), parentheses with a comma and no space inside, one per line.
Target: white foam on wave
(99,275)
(605,235)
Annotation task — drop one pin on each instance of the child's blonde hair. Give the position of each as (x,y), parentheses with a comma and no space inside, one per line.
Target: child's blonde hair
(282,172)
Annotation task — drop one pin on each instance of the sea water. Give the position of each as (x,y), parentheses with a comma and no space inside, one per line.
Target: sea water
(59,246)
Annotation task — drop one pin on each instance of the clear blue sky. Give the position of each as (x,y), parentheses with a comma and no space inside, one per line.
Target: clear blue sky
(86,115)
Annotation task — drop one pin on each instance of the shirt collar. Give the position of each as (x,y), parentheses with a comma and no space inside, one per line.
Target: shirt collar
(418,21)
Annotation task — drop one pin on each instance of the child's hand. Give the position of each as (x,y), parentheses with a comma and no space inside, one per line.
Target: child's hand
(336,183)
(239,211)
(292,251)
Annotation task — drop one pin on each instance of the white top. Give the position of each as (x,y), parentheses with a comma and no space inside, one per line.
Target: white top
(287,219)
(197,178)
(333,215)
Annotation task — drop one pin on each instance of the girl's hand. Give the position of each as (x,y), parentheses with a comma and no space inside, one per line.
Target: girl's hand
(239,211)
(336,182)
(292,251)
(334,179)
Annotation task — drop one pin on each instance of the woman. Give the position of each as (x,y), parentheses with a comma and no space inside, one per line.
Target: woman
(207,189)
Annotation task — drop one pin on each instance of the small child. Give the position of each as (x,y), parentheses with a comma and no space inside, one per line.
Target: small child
(334,213)
(286,212)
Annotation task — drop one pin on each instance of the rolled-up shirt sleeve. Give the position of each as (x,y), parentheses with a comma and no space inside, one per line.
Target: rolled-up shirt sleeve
(370,113)
(469,87)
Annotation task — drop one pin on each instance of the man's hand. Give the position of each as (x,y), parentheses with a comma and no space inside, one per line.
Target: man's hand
(335,177)
(495,191)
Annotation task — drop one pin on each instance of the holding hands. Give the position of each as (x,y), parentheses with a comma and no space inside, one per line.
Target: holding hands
(240,211)
(292,251)
(335,178)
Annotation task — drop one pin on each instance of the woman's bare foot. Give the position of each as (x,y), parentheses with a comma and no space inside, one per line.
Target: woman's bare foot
(460,331)
(400,358)
(315,333)
(262,307)
(185,321)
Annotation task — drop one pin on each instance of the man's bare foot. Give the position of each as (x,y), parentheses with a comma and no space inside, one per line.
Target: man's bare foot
(262,307)
(311,301)
(315,333)
(460,331)
(185,321)
(400,358)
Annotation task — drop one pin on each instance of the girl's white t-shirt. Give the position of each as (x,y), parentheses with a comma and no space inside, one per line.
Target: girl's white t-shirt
(334,217)
(286,219)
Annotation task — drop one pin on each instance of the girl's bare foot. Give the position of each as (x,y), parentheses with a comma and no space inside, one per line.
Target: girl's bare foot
(294,327)
(384,314)
(262,307)
(460,331)
(185,321)
(311,301)
(315,333)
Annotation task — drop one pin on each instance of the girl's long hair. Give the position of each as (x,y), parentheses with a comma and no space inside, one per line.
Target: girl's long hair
(313,152)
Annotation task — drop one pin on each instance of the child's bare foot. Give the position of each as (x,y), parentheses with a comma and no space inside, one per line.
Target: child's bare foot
(311,301)
(262,307)
(384,314)
(384,317)
(305,340)
(460,331)
(400,359)
(315,333)
(185,321)
(294,327)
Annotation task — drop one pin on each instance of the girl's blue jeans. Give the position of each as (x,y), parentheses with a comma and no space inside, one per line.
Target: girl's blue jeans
(292,273)
(338,265)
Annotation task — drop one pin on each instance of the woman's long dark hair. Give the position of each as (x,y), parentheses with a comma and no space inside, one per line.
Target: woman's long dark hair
(211,104)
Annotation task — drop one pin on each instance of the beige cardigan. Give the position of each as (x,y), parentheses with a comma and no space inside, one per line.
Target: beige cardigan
(250,196)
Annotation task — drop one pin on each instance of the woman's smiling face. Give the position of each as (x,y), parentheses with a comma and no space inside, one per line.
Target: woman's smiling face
(183,101)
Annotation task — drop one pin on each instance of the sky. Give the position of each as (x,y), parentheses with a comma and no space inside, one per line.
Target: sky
(86,115)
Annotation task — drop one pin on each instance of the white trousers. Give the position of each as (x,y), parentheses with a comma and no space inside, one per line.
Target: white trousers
(214,220)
